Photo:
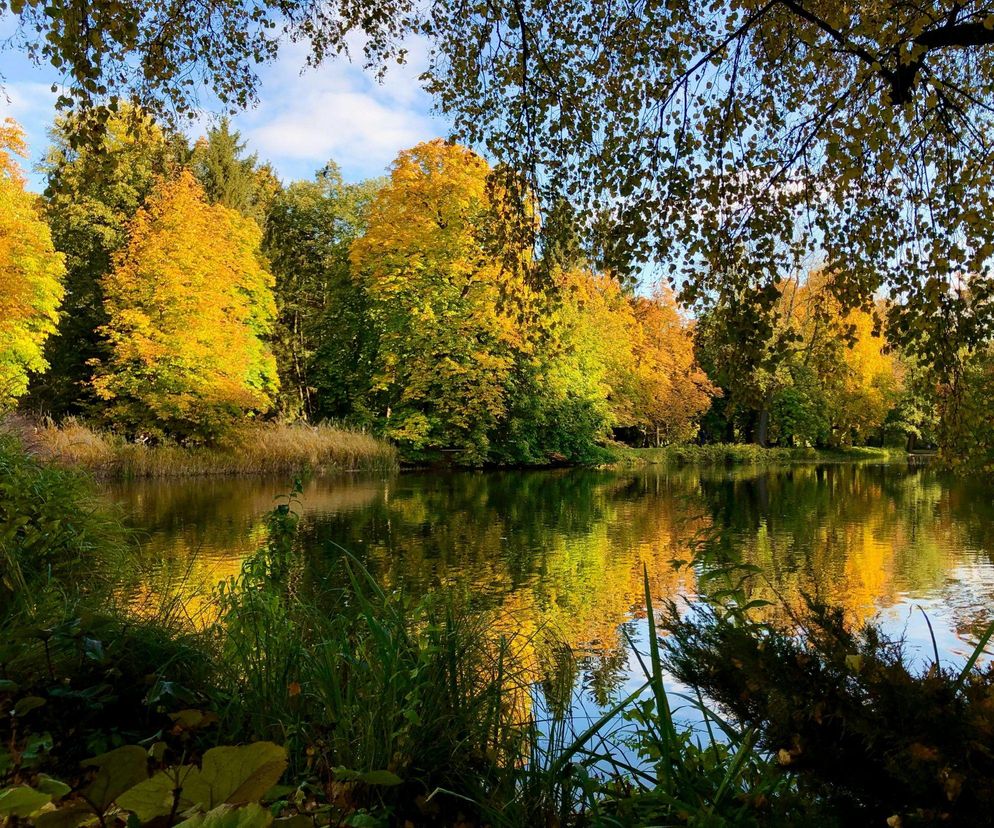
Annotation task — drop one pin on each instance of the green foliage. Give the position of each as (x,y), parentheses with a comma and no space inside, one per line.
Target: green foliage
(223,792)
(239,183)
(51,530)
(848,719)
(965,432)
(322,338)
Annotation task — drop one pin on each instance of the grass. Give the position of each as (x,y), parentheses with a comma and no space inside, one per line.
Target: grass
(264,448)
(733,454)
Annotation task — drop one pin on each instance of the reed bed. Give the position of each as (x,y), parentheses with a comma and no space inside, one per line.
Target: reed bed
(264,448)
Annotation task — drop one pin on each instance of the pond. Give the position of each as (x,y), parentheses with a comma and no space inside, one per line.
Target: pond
(564,550)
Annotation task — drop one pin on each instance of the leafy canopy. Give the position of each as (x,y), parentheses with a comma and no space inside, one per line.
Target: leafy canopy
(31,274)
(188,304)
(92,193)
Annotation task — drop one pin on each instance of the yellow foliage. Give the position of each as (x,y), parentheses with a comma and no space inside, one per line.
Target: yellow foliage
(188,303)
(859,375)
(638,351)
(445,298)
(31,274)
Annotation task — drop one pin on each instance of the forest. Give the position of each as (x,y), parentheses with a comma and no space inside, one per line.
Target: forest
(169,291)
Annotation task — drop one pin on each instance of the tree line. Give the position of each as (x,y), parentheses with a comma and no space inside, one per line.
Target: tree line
(176,290)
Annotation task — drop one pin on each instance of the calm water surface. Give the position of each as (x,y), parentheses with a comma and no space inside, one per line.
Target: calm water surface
(564,550)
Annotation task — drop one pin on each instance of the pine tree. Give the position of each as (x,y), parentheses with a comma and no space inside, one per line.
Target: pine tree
(230,178)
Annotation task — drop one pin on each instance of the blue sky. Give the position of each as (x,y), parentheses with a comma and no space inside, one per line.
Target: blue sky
(303,118)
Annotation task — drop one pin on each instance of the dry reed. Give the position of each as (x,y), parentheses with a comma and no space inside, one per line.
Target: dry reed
(262,448)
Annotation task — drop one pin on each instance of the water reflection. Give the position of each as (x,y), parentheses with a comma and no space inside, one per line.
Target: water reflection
(563,551)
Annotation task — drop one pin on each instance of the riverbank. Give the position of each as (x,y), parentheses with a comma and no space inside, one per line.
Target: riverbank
(264,448)
(376,708)
(735,454)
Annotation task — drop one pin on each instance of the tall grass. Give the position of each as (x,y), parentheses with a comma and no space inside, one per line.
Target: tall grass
(264,448)
(415,711)
(734,454)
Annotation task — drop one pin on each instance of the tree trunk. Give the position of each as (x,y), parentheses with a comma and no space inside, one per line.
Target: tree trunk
(761,428)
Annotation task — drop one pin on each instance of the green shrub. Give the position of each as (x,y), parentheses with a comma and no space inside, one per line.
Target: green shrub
(860,731)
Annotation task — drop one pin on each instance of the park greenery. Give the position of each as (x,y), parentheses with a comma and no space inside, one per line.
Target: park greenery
(174,294)
(812,181)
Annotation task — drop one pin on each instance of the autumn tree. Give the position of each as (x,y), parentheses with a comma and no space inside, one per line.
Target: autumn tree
(674,390)
(729,140)
(322,336)
(189,305)
(91,195)
(444,300)
(31,274)
(843,376)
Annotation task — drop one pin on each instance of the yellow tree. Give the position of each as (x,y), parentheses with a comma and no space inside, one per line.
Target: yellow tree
(189,304)
(446,293)
(635,355)
(31,274)
(840,363)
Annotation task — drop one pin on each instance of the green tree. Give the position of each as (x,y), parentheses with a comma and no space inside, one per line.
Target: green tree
(230,177)
(189,305)
(445,299)
(322,336)
(91,196)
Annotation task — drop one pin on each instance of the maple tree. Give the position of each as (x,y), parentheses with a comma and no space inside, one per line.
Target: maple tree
(31,274)
(188,305)
(675,391)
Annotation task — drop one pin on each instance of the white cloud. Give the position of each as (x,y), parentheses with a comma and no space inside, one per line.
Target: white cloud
(338,111)
(304,118)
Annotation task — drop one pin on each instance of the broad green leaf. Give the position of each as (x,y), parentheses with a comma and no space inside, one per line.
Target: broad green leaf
(154,797)
(21,801)
(117,771)
(252,815)
(380,777)
(27,704)
(235,775)
(295,821)
(56,788)
(71,815)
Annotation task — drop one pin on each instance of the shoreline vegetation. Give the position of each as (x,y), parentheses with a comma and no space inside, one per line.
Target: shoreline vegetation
(376,709)
(263,448)
(740,454)
(300,448)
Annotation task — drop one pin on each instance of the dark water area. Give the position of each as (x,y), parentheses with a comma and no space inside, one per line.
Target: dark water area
(563,551)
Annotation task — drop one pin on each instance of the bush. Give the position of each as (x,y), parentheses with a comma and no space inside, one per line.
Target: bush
(861,732)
